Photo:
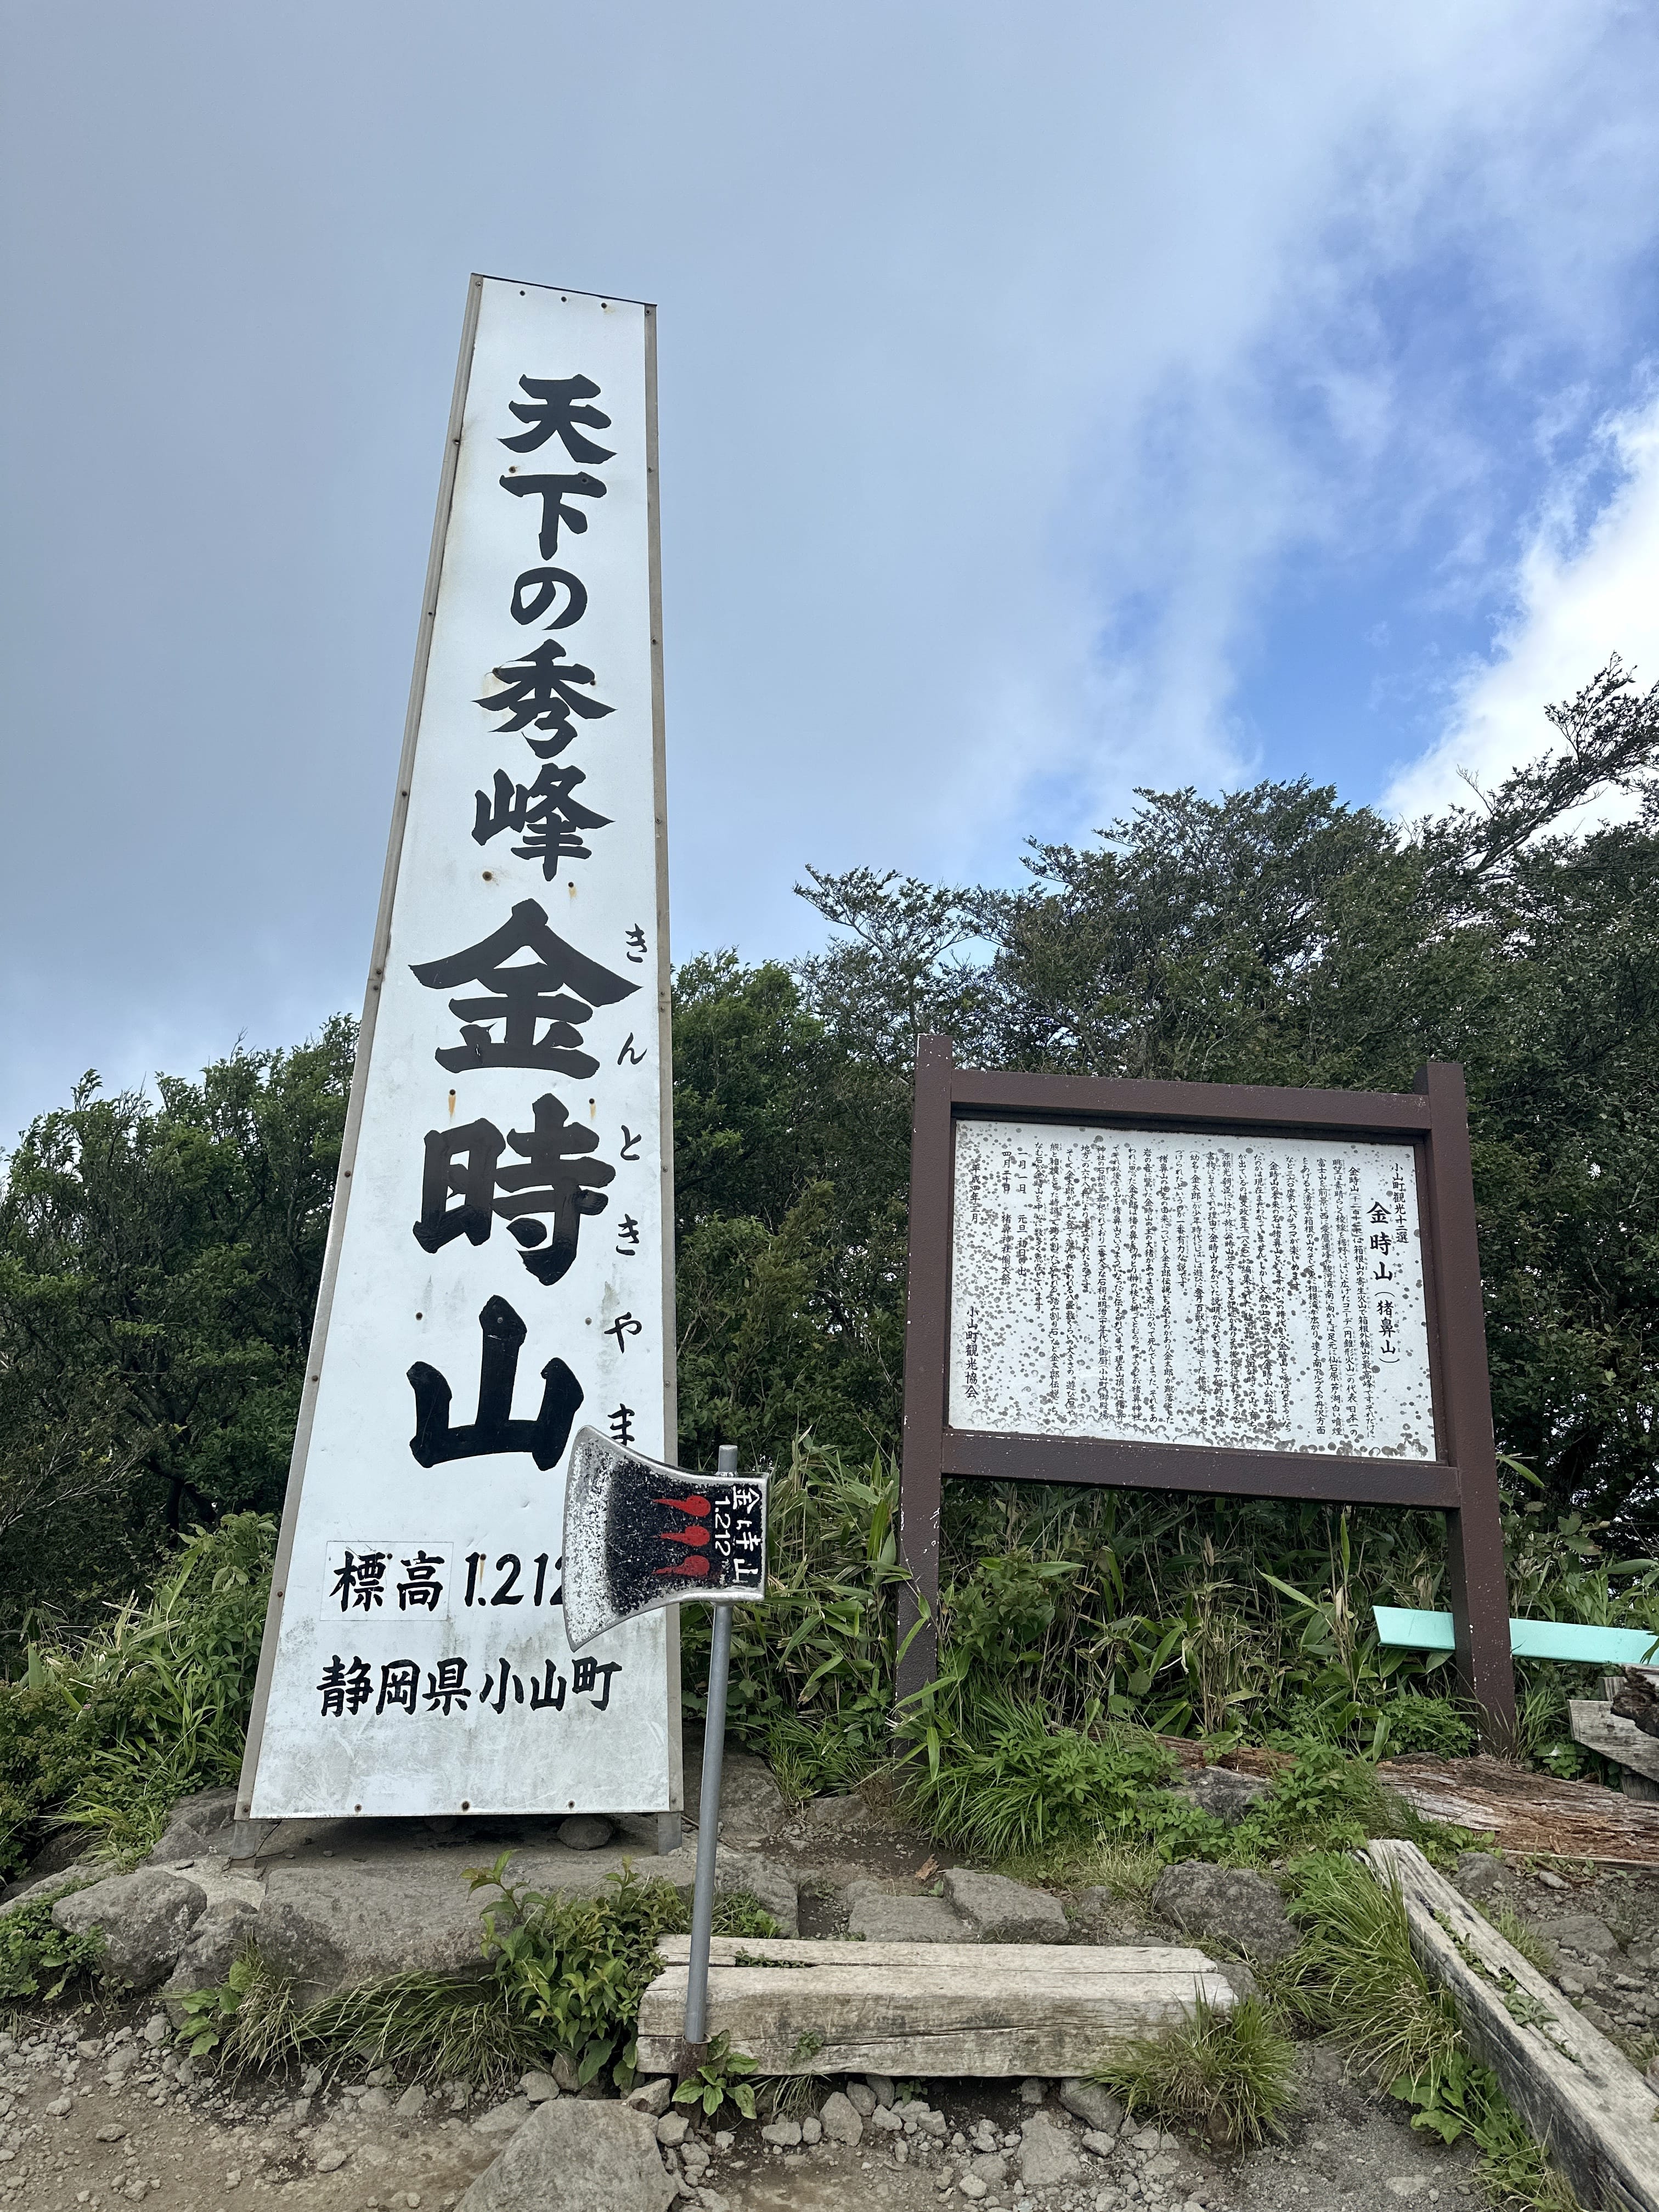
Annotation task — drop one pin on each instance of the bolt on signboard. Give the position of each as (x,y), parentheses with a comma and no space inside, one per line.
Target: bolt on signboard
(499,1267)
(1217,1287)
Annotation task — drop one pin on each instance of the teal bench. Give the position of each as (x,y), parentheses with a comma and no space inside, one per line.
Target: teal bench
(1528,1639)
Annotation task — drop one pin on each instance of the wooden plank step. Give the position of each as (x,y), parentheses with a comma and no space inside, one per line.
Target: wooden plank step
(1576,2091)
(946,2009)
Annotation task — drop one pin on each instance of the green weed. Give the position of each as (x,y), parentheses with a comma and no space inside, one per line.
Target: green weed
(574,1969)
(722,2078)
(1230,2075)
(37,1958)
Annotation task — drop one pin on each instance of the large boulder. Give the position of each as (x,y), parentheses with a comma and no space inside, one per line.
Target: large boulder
(1230,1905)
(143,1919)
(336,1926)
(577,2156)
(998,1911)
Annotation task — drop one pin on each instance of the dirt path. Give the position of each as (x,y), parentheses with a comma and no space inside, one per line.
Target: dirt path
(79,2131)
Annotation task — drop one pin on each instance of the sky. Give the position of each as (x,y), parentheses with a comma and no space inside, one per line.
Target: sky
(1056,399)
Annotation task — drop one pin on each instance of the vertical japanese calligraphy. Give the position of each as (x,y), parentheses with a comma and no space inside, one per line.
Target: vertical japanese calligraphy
(499,1267)
(1263,1292)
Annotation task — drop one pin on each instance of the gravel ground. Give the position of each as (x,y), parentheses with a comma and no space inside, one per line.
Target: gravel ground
(96,2115)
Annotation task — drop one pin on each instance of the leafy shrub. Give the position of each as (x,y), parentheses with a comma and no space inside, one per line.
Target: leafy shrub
(43,1754)
(574,1969)
(37,1958)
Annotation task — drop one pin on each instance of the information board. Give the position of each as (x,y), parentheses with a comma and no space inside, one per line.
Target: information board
(499,1269)
(1165,1286)
(1232,1289)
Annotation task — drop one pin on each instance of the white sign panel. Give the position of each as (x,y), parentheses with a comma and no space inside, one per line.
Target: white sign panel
(500,1271)
(1165,1287)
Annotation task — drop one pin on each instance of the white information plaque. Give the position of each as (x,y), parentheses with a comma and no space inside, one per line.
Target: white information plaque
(1254,1292)
(499,1270)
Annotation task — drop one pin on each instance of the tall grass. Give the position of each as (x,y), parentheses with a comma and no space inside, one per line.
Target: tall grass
(150,1707)
(1231,2073)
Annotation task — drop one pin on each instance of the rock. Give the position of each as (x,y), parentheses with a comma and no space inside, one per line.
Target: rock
(502,2120)
(671,2130)
(972,2187)
(1238,1978)
(1480,1875)
(157,2030)
(577,2156)
(539,2087)
(998,1911)
(989,2166)
(199,1827)
(1046,2156)
(1223,1795)
(1232,1904)
(564,2070)
(785,2134)
(311,2080)
(1580,1931)
(1032,2090)
(880,2087)
(410,2102)
(841,2120)
(375,2100)
(337,1926)
(1096,2107)
(143,1918)
(862,2098)
(649,2097)
(812,2131)
(331,2161)
(585,1832)
(886,2119)
(880,1917)
(212,1948)
(752,1809)
(1101,2145)
(1550,1880)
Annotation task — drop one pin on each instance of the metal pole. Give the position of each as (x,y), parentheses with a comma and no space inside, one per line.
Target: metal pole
(709,1806)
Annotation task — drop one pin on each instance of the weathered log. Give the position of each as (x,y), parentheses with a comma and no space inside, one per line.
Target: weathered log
(1599,1727)
(926,2009)
(1576,2092)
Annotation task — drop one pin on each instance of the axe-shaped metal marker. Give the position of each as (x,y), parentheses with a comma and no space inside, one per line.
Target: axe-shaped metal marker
(639,1535)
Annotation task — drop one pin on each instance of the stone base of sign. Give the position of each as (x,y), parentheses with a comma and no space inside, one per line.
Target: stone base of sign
(926,2009)
(1573,2088)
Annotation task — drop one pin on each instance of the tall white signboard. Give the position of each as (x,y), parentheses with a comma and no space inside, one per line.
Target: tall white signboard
(499,1271)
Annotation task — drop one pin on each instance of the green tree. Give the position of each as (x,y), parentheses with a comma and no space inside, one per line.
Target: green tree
(159,1264)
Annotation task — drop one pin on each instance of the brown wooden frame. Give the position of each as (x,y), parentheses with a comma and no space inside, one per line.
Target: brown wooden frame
(1463,1484)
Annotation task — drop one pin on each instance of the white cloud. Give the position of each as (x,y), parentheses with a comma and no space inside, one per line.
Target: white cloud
(1582,592)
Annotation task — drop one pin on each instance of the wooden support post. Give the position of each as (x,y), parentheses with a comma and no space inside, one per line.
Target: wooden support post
(1474,1540)
(926,1354)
